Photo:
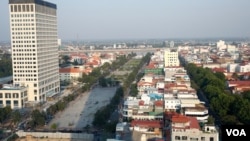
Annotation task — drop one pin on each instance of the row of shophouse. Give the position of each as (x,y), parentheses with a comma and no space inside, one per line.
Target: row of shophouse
(166,106)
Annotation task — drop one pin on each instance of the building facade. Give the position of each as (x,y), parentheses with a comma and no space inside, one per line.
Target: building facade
(13,96)
(171,57)
(34,42)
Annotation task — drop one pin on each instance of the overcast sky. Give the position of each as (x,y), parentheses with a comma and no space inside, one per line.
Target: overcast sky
(128,19)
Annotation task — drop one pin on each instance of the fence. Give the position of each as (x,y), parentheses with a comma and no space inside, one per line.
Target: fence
(57,135)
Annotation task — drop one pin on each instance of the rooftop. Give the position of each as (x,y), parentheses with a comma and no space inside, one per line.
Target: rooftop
(147,123)
(12,87)
(40,2)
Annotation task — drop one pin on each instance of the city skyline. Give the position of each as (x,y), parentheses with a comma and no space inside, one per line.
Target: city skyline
(145,19)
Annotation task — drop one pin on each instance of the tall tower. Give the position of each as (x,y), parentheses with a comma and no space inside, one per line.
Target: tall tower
(33,27)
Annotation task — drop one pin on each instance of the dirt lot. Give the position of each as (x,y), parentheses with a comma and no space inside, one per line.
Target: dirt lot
(81,112)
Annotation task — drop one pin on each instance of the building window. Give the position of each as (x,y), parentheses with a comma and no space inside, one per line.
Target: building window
(184,137)
(31,8)
(15,8)
(15,103)
(211,139)
(7,95)
(35,92)
(194,139)
(15,95)
(202,138)
(177,138)
(1,95)
(8,103)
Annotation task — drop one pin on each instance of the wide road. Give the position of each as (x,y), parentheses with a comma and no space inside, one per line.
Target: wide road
(135,50)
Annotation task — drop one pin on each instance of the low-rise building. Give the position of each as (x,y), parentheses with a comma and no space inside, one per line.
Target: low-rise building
(70,74)
(199,112)
(13,96)
(148,126)
(180,127)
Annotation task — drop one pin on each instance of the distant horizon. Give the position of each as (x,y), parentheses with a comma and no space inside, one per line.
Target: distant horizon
(160,39)
(166,39)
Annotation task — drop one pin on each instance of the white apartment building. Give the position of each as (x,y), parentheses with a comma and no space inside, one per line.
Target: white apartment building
(243,68)
(172,104)
(190,130)
(171,57)
(221,46)
(142,109)
(13,96)
(34,42)
(70,74)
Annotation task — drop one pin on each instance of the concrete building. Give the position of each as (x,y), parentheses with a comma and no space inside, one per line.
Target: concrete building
(182,127)
(221,46)
(13,96)
(70,74)
(171,57)
(34,42)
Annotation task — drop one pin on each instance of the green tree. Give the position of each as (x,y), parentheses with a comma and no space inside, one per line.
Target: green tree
(75,63)
(133,90)
(210,120)
(5,113)
(5,66)
(16,116)
(65,59)
(54,126)
(38,118)
(220,76)
(102,81)
(246,95)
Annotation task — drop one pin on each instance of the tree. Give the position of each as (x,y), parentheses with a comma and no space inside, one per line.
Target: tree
(75,63)
(16,117)
(210,120)
(38,118)
(246,95)
(102,81)
(66,59)
(133,90)
(5,113)
(53,126)
(5,66)
(220,75)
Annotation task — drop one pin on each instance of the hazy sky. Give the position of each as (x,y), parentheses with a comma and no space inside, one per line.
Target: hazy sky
(127,19)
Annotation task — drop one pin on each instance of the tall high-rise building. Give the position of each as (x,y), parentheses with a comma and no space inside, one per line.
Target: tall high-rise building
(34,42)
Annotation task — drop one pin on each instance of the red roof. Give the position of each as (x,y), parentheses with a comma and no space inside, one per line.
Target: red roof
(147,123)
(178,118)
(159,103)
(194,124)
(174,85)
(69,70)
(239,83)
(223,70)
(141,102)
(142,83)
